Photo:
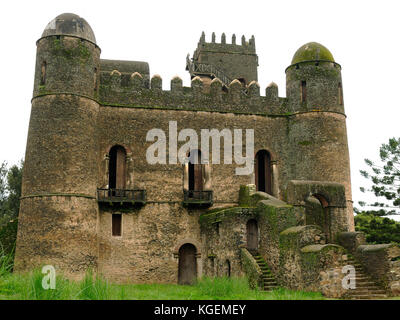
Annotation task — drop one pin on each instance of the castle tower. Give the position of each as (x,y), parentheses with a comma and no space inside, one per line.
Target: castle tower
(226,61)
(318,134)
(59,211)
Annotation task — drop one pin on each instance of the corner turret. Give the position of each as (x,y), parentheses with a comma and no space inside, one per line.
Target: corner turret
(313,80)
(319,134)
(60,172)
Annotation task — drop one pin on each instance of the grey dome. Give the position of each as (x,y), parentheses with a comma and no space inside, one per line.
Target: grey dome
(70,24)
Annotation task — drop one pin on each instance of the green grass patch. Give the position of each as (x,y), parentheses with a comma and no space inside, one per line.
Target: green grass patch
(29,287)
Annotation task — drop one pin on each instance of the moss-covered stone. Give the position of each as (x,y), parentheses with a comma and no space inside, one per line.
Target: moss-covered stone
(312,51)
(251,269)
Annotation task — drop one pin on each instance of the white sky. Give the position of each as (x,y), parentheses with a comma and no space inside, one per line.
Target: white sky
(363,37)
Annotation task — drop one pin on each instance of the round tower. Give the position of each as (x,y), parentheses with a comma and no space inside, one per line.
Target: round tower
(317,131)
(58,215)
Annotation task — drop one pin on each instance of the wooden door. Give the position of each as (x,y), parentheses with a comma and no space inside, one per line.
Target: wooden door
(252,235)
(198,177)
(187,268)
(262,171)
(120,169)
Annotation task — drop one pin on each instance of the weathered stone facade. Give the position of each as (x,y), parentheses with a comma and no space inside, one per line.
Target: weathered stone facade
(83,207)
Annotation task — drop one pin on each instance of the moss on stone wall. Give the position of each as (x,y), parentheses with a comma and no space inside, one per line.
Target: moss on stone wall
(251,268)
(219,215)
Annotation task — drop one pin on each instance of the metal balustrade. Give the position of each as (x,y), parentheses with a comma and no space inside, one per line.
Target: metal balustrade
(121,196)
(196,68)
(193,197)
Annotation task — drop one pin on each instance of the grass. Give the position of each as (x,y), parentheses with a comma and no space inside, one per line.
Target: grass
(28,286)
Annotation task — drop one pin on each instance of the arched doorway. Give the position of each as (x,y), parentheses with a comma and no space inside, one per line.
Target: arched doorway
(187,266)
(252,235)
(263,172)
(195,174)
(117,168)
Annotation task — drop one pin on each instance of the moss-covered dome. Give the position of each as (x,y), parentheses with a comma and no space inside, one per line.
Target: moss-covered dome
(312,51)
(69,24)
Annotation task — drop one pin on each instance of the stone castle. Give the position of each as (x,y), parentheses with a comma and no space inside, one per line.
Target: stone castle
(91,199)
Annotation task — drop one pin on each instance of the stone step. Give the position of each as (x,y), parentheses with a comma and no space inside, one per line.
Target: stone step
(270,288)
(368,297)
(269,281)
(364,284)
(371,291)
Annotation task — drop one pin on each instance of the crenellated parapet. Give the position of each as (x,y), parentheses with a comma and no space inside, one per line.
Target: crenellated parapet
(223,60)
(245,47)
(235,98)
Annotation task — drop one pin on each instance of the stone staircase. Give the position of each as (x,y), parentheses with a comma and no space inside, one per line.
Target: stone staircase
(269,282)
(366,288)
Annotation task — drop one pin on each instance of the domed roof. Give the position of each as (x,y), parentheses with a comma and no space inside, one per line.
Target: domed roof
(312,51)
(70,24)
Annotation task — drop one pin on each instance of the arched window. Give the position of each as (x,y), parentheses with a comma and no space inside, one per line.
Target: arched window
(195,172)
(263,171)
(117,168)
(43,73)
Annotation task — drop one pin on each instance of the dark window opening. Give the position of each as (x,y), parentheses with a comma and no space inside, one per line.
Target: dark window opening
(116,225)
(263,171)
(43,73)
(303,91)
(195,171)
(340,94)
(117,171)
(217,228)
(95,79)
(228,268)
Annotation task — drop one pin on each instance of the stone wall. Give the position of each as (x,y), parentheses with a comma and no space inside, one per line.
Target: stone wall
(60,231)
(223,232)
(147,250)
(274,217)
(380,261)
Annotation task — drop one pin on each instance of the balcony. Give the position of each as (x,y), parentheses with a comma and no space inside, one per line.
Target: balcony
(121,196)
(197,198)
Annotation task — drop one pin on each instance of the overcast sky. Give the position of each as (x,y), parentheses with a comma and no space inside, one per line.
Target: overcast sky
(363,37)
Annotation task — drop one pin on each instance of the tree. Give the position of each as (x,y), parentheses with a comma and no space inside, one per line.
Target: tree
(10,193)
(377,229)
(385,178)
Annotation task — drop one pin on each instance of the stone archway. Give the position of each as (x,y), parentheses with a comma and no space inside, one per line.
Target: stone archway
(330,195)
(187,265)
(318,213)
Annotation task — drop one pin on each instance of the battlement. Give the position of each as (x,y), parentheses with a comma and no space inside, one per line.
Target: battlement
(236,98)
(245,47)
